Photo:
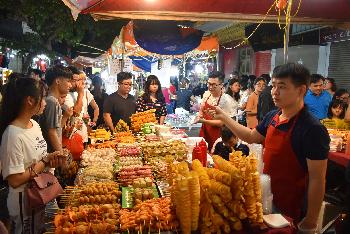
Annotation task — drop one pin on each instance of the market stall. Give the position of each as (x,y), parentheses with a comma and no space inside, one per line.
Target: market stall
(148,178)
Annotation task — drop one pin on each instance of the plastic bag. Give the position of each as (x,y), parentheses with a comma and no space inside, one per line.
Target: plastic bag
(75,145)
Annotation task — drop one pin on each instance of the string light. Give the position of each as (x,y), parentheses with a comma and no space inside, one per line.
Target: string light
(288,18)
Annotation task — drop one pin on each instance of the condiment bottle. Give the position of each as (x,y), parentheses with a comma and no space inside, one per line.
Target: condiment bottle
(197,153)
(204,150)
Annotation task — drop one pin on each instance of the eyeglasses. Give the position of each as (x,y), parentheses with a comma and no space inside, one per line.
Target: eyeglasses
(213,85)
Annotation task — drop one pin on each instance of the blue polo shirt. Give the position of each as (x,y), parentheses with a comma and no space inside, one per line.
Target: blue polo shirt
(318,105)
(310,139)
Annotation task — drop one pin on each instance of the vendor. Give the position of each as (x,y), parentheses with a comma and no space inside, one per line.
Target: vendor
(296,146)
(211,129)
(153,99)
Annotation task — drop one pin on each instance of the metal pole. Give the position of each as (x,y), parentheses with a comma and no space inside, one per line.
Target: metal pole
(287,30)
(286,42)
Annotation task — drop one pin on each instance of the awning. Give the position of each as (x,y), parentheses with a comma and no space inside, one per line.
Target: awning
(328,12)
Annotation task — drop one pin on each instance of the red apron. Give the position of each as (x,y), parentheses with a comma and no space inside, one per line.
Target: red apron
(208,132)
(288,178)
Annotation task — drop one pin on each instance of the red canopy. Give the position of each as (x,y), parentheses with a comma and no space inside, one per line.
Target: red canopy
(311,11)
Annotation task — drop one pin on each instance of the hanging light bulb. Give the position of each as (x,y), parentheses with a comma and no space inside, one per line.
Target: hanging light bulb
(281,4)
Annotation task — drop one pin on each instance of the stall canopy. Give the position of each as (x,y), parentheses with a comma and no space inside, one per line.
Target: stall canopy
(145,42)
(153,38)
(330,12)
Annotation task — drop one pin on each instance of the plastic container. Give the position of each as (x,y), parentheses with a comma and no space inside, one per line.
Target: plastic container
(267,196)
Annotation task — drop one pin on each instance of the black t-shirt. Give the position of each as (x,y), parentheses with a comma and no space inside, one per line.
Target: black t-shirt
(100,102)
(310,139)
(265,103)
(224,151)
(184,99)
(119,107)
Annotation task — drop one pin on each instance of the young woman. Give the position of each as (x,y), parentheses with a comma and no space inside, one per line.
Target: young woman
(330,86)
(252,104)
(233,90)
(343,95)
(336,114)
(23,150)
(153,99)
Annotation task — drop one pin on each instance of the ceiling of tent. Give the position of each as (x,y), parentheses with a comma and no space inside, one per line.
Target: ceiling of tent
(330,12)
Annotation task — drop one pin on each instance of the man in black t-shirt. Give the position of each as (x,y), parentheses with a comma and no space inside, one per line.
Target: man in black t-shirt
(265,103)
(184,95)
(296,147)
(120,105)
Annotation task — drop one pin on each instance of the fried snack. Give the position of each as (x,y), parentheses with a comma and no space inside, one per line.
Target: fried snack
(226,166)
(194,188)
(87,219)
(101,134)
(220,189)
(106,144)
(219,176)
(140,118)
(183,204)
(154,215)
(238,209)
(203,176)
(176,149)
(183,169)
(257,187)
(235,154)
(125,137)
(92,193)
(121,126)
(219,206)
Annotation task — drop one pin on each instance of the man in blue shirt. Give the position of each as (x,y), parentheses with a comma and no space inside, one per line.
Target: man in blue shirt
(317,100)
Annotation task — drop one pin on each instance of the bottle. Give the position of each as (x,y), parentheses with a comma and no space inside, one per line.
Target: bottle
(204,150)
(197,153)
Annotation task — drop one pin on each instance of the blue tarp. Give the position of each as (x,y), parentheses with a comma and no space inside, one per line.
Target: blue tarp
(166,37)
(143,63)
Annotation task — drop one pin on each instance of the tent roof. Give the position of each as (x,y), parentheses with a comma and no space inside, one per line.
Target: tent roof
(311,11)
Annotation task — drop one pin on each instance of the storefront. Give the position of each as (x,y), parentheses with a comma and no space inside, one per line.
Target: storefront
(339,55)
(308,55)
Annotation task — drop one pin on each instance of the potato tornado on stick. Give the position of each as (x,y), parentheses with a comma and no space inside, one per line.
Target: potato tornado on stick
(203,176)
(219,176)
(183,203)
(194,188)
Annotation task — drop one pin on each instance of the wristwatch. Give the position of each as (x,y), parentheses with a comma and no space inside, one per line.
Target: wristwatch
(45,161)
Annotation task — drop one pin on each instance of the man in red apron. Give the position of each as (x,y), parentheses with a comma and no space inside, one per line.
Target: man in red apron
(211,129)
(296,147)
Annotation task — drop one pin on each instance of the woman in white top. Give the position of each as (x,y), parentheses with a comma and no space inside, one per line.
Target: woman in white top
(233,90)
(23,150)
